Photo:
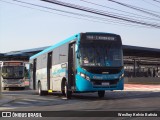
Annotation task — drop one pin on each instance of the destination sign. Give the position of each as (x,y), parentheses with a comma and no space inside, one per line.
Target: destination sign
(12,63)
(100,37)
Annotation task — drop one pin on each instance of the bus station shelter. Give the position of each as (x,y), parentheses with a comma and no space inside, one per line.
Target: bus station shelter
(140,63)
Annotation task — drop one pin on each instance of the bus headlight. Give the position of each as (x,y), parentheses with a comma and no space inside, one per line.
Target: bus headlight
(21,81)
(122,76)
(84,76)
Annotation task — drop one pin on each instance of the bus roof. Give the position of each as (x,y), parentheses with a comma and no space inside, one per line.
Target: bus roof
(65,41)
(54,46)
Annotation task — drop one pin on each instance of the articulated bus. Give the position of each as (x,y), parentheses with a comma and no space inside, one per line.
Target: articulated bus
(85,62)
(12,74)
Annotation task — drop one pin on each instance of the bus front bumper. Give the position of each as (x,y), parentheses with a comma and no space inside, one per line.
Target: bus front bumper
(13,85)
(83,85)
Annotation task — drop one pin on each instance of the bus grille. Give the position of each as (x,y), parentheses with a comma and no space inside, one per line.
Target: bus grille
(12,81)
(105,83)
(103,70)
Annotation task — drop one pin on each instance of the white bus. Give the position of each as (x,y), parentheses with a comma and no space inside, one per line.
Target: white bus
(12,74)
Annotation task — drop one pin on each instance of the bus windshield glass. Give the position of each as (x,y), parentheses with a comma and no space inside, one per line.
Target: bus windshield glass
(13,72)
(101,54)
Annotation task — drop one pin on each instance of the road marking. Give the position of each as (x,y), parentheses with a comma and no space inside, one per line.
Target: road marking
(6,108)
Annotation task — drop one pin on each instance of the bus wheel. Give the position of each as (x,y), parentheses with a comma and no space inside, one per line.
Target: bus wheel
(101,93)
(68,93)
(40,92)
(4,88)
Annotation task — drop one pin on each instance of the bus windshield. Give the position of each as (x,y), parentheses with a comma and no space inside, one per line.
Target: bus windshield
(101,54)
(13,72)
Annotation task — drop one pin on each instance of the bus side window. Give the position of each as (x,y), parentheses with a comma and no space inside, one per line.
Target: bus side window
(31,66)
(30,70)
(26,72)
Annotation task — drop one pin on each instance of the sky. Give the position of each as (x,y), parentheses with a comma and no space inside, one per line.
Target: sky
(25,26)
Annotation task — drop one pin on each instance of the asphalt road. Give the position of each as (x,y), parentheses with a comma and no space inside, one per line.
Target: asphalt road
(113,101)
(27,100)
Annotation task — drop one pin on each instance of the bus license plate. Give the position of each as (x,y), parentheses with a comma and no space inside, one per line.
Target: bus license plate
(105,83)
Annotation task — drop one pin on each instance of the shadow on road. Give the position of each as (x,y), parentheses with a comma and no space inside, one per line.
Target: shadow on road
(109,95)
(113,95)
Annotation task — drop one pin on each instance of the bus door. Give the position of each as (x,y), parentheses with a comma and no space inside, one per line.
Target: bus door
(71,66)
(49,70)
(34,73)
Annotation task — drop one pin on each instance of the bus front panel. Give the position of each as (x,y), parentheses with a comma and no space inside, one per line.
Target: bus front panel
(100,63)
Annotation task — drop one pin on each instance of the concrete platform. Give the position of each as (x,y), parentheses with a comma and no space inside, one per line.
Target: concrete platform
(142,87)
(142,80)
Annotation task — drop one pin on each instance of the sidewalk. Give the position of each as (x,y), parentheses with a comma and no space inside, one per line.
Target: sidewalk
(141,87)
(6,99)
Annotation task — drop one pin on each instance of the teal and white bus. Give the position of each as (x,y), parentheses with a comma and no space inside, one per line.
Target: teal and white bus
(85,62)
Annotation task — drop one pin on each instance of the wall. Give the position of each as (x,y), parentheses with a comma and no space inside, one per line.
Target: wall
(142,80)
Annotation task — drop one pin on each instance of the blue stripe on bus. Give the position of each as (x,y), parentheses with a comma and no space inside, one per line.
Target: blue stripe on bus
(59,71)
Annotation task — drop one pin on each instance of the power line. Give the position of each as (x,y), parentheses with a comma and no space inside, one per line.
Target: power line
(46,8)
(37,5)
(127,5)
(136,15)
(77,14)
(149,12)
(150,3)
(100,13)
(102,19)
(50,8)
(156,1)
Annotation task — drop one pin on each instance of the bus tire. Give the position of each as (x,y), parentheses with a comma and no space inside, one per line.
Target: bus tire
(4,88)
(68,93)
(101,93)
(40,92)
